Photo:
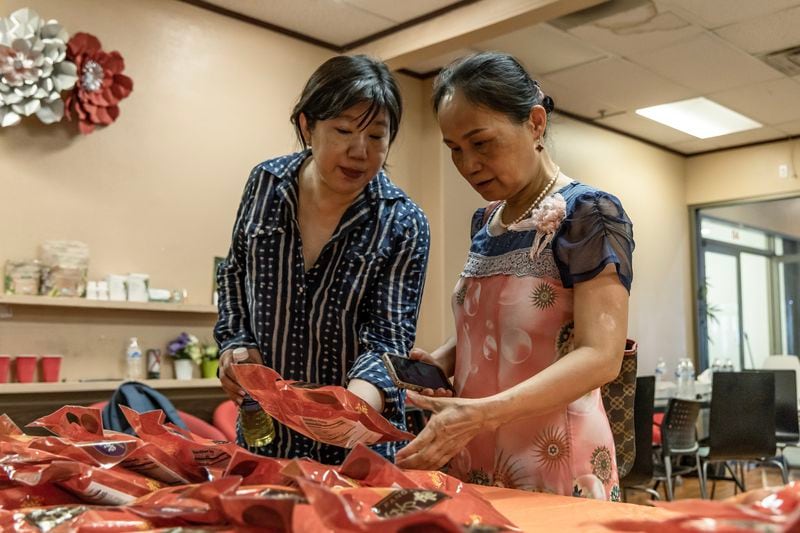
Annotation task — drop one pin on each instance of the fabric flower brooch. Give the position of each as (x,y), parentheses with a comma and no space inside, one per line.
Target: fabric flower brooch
(545,219)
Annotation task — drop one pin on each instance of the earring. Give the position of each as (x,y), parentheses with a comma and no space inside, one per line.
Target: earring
(539,145)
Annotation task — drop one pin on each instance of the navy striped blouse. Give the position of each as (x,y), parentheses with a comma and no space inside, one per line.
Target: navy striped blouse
(332,323)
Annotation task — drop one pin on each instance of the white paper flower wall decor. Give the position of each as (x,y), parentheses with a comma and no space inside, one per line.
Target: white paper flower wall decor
(34,69)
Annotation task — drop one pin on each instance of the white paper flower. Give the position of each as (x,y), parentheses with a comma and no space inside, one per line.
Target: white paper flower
(33,68)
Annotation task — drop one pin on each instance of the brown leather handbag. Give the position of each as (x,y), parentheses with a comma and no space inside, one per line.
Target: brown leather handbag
(618,398)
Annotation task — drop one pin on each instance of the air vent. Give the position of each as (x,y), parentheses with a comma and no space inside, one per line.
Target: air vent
(786,61)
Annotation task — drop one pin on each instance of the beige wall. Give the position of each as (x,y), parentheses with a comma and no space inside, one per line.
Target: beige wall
(741,174)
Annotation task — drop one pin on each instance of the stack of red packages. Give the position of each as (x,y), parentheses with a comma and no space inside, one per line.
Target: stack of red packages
(775,510)
(329,414)
(77,480)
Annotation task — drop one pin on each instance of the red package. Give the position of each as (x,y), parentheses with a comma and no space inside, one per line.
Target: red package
(199,503)
(775,510)
(33,473)
(116,486)
(256,469)
(319,473)
(74,422)
(368,509)
(268,507)
(192,452)
(21,496)
(329,414)
(8,427)
(72,519)
(151,461)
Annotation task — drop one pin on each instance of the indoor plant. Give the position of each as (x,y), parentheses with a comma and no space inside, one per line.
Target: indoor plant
(210,361)
(186,350)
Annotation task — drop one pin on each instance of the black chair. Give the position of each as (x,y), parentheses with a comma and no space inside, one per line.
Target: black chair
(741,425)
(787,428)
(678,439)
(641,473)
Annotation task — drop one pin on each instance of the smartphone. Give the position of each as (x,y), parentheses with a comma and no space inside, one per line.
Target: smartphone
(415,375)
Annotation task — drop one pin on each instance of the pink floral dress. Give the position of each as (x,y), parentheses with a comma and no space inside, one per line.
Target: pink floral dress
(513,307)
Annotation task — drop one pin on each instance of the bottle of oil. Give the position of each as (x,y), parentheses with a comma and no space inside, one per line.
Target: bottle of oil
(257,427)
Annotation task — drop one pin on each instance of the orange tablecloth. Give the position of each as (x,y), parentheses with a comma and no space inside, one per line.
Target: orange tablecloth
(534,512)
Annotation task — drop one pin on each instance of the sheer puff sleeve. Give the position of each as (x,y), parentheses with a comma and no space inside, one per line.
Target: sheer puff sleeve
(595,233)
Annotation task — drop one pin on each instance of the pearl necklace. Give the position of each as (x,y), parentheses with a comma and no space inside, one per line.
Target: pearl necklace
(538,199)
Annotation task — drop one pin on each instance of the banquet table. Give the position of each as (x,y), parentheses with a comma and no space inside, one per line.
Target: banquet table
(534,511)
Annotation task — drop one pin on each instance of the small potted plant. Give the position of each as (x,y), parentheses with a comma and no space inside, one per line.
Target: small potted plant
(186,351)
(210,361)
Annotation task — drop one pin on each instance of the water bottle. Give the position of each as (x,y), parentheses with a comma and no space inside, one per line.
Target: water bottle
(728,367)
(661,370)
(680,379)
(133,360)
(257,427)
(689,370)
(717,366)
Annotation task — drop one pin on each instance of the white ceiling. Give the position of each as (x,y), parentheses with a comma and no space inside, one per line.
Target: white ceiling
(603,63)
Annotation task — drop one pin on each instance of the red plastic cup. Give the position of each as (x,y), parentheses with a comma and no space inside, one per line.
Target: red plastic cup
(51,368)
(5,366)
(25,367)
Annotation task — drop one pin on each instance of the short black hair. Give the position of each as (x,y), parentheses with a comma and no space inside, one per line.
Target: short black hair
(493,80)
(344,81)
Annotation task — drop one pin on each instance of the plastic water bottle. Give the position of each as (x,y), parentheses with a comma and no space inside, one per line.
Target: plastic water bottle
(257,427)
(661,370)
(717,366)
(690,375)
(133,360)
(684,376)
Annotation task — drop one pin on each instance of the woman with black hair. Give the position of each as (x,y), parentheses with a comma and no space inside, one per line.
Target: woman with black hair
(540,308)
(327,265)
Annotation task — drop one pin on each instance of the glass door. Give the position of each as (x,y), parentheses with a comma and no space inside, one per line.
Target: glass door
(722,296)
(787,297)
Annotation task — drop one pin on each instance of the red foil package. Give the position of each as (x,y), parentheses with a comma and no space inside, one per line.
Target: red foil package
(774,510)
(22,496)
(193,453)
(256,469)
(310,470)
(329,414)
(72,519)
(268,507)
(151,461)
(194,504)
(81,424)
(368,509)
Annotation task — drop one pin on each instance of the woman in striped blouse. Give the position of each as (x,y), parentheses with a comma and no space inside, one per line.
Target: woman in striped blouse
(327,262)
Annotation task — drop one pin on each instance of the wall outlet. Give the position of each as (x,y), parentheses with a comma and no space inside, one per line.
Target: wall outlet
(783,171)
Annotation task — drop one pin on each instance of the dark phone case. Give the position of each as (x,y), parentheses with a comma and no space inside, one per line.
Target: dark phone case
(387,360)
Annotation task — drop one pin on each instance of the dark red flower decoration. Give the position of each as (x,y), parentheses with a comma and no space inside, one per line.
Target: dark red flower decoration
(101,84)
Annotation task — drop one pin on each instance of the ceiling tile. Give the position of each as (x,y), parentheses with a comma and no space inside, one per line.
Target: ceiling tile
(645,128)
(576,99)
(331,21)
(695,146)
(543,48)
(768,102)
(624,85)
(765,34)
(716,13)
(435,63)
(642,35)
(790,128)
(750,136)
(400,11)
(706,64)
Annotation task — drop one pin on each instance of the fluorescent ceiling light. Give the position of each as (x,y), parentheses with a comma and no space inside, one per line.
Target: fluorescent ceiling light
(699,117)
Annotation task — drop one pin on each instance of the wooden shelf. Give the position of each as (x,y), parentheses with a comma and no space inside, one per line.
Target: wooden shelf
(83,303)
(109,385)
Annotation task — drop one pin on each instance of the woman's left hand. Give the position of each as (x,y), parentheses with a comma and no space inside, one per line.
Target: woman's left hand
(453,423)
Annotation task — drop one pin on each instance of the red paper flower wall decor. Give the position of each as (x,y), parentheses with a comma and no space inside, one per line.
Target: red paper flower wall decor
(100,86)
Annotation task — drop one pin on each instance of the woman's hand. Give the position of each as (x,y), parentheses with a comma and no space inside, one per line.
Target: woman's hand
(418,354)
(455,421)
(227,377)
